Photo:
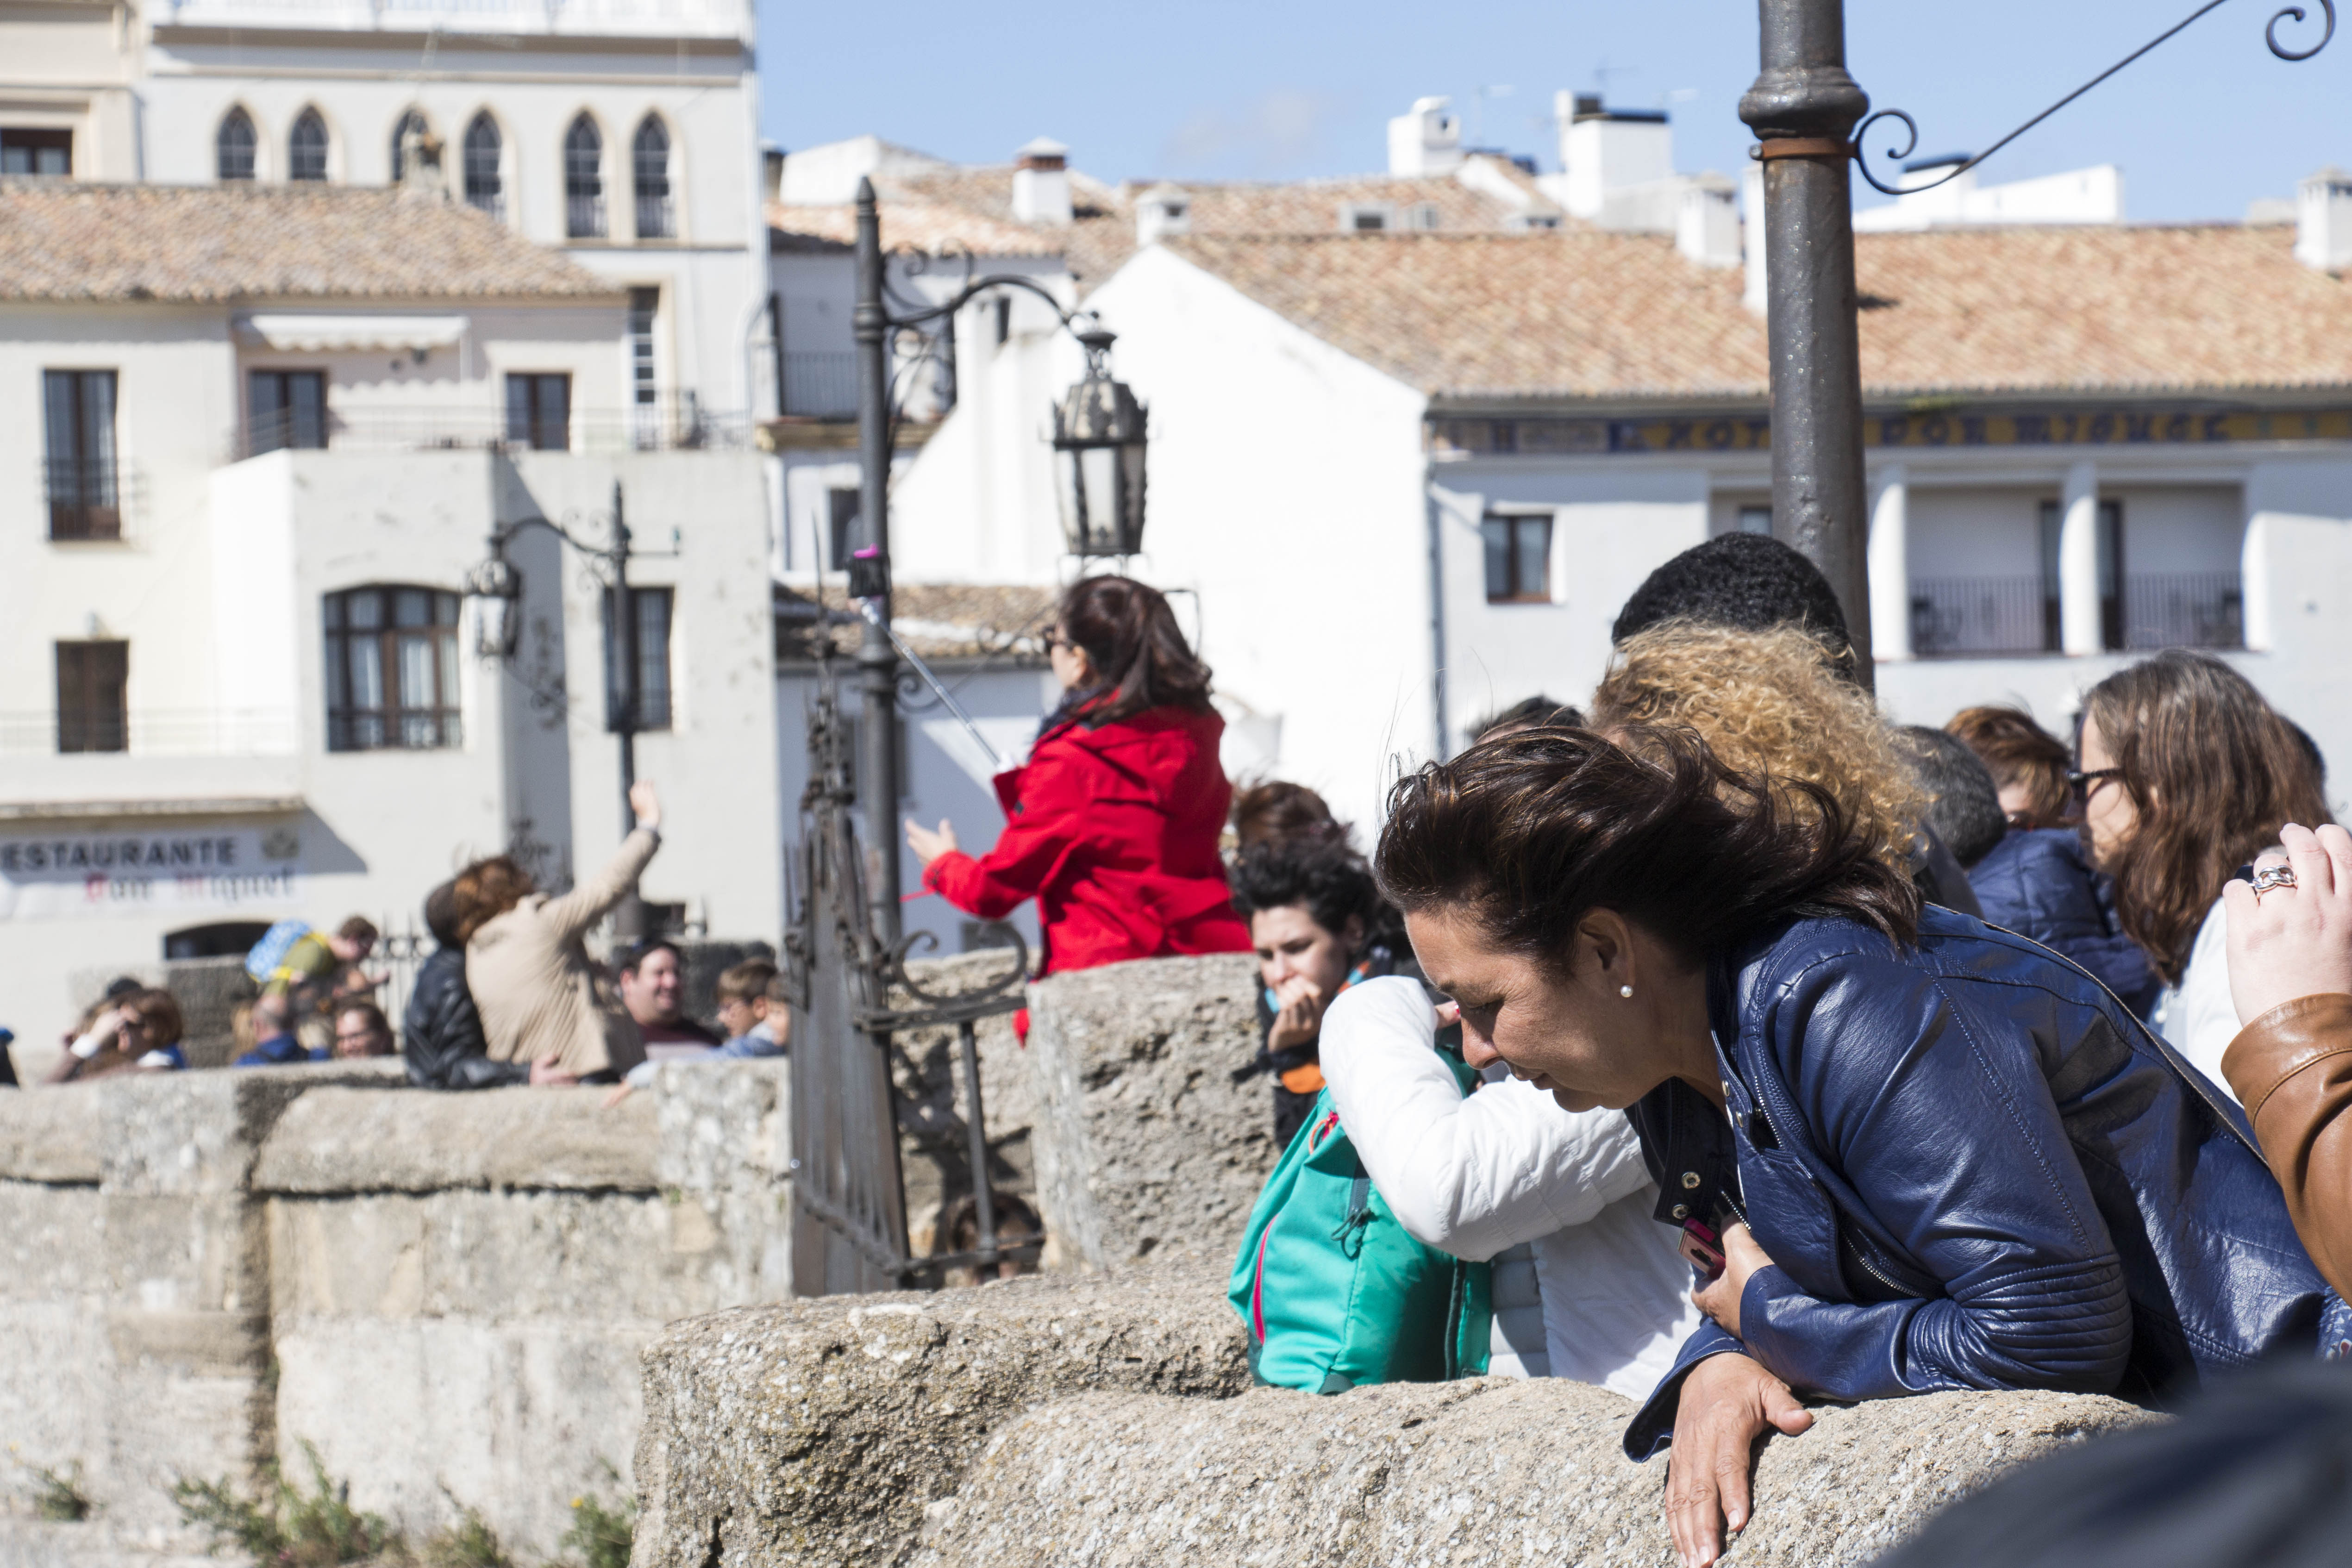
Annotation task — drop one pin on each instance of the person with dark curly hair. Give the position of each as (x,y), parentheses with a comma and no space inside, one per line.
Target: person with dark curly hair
(1316,923)
(1748,582)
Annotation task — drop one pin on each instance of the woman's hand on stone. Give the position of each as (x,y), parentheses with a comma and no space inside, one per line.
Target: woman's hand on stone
(546,1073)
(928,845)
(1719,1298)
(2296,941)
(1727,1402)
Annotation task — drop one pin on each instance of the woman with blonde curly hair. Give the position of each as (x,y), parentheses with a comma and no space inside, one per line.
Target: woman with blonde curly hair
(1775,703)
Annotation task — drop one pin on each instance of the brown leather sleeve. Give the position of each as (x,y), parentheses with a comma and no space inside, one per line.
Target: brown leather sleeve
(2292,1069)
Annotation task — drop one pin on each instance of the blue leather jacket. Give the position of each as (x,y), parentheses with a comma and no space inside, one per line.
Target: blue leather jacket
(2038,883)
(1972,1169)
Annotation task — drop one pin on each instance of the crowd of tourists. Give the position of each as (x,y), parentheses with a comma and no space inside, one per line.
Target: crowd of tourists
(1724,1043)
(1712,1039)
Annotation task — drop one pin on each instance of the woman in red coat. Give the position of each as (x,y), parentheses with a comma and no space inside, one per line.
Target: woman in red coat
(1112,826)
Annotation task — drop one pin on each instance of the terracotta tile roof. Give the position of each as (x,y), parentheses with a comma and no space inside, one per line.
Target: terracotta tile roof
(938,621)
(224,243)
(948,207)
(1578,315)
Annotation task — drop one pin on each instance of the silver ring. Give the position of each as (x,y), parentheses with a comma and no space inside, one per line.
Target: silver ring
(2273,876)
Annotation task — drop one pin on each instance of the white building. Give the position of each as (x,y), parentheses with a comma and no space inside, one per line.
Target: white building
(623,133)
(1411,478)
(265,432)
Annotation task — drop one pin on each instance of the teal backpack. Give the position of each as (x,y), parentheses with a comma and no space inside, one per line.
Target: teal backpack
(1335,1292)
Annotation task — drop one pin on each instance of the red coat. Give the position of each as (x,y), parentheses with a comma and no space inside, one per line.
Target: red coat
(1114,832)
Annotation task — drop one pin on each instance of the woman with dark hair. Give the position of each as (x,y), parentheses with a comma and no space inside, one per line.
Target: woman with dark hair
(2188,774)
(1112,825)
(1315,922)
(2035,881)
(1277,811)
(1907,1151)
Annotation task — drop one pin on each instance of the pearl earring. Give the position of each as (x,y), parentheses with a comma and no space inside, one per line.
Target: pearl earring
(1627,992)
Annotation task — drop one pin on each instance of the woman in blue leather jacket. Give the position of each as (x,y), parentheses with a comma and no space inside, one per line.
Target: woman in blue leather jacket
(1907,1151)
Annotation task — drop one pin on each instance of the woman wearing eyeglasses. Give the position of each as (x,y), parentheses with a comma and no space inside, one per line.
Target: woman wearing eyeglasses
(1112,825)
(2188,774)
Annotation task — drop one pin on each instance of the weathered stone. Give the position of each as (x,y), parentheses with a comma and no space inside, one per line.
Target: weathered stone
(50,1137)
(1144,1143)
(1488,1472)
(365,1140)
(818,1432)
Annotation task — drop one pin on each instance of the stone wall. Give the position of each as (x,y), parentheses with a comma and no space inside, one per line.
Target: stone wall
(446,1294)
(1107,1419)
(1144,1144)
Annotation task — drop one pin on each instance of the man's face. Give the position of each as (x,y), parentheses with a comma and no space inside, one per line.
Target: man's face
(356,1034)
(652,993)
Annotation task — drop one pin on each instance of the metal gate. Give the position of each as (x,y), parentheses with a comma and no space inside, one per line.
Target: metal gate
(849,1201)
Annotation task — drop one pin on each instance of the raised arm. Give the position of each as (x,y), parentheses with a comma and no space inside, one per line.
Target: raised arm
(585,904)
(1468,1176)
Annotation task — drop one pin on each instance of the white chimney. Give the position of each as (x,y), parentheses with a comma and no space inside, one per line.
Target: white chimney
(1428,140)
(1751,197)
(1041,183)
(1609,150)
(1164,209)
(2323,226)
(1707,220)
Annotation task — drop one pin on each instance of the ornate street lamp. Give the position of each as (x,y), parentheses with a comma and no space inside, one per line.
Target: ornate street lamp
(1099,444)
(1098,458)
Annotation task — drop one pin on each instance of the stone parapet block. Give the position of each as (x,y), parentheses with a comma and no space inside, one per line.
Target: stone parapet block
(1143,1142)
(365,1140)
(1487,1471)
(818,1432)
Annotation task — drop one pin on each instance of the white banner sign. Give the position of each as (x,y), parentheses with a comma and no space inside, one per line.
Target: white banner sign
(62,876)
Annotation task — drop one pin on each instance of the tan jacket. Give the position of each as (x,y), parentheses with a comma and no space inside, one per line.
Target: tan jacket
(2292,1069)
(535,987)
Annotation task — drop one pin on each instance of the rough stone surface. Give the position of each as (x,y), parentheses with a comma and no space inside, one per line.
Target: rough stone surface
(1489,1471)
(818,1432)
(446,1294)
(366,1140)
(1143,1140)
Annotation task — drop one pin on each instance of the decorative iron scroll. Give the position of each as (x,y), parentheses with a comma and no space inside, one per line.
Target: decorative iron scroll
(1911,127)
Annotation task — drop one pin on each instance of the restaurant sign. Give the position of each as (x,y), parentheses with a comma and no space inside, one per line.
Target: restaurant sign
(121,872)
(1704,433)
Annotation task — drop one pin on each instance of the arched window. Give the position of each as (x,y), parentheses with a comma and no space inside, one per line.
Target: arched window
(233,147)
(391,669)
(649,166)
(583,181)
(306,148)
(410,122)
(484,186)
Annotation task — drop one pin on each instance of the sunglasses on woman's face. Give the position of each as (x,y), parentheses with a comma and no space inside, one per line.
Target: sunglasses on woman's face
(2083,783)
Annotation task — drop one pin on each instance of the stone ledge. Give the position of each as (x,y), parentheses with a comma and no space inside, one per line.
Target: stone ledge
(366,1140)
(818,1432)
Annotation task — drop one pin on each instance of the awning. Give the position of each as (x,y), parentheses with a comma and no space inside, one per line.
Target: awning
(320,334)
(117,810)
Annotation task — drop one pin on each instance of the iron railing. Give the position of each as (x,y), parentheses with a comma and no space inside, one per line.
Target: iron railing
(821,386)
(1966,616)
(671,423)
(583,217)
(2184,609)
(85,497)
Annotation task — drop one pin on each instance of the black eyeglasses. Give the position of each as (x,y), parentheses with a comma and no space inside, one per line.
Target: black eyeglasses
(2082,782)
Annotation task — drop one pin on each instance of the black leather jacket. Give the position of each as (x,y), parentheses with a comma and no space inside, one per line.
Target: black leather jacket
(441,1034)
(1972,1169)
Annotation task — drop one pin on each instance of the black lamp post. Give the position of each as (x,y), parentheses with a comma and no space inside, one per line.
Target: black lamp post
(1099,449)
(495,587)
(1804,108)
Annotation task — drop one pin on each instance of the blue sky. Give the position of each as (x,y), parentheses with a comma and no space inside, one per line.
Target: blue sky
(1284,88)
